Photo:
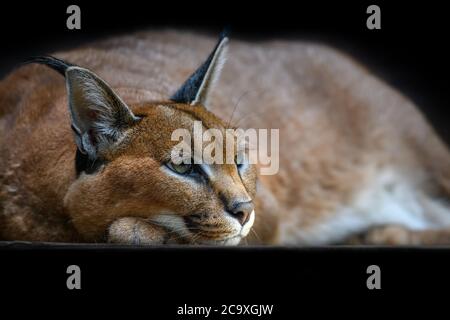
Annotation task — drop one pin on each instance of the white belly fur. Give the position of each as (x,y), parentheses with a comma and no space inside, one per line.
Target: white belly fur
(388,198)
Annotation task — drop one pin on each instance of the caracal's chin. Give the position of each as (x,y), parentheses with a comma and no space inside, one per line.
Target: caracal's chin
(208,237)
(226,231)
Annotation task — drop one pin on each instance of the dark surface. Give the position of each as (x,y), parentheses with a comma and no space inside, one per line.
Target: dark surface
(153,282)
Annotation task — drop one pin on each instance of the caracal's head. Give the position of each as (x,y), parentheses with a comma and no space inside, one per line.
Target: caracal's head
(128,160)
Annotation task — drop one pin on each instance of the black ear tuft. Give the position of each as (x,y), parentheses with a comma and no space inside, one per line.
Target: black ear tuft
(196,87)
(56,64)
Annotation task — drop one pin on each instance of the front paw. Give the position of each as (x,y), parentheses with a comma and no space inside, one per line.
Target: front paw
(391,235)
(137,232)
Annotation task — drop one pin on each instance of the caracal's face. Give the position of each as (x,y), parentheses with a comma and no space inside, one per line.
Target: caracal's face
(197,203)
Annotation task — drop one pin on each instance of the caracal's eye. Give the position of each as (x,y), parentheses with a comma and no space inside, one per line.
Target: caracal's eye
(182,168)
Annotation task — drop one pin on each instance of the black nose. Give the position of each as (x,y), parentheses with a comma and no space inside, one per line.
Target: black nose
(242,211)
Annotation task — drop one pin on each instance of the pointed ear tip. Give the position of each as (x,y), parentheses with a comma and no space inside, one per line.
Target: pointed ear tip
(224,36)
(226,30)
(223,44)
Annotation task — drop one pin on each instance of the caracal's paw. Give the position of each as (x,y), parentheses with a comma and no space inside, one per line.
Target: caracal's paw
(138,232)
(394,235)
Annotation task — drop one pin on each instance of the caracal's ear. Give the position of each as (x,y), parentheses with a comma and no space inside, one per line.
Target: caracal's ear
(99,116)
(197,88)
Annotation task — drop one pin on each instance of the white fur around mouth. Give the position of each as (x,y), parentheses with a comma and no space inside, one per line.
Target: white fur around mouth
(247,227)
(235,240)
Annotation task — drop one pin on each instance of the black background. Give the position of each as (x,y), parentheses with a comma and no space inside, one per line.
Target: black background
(409,52)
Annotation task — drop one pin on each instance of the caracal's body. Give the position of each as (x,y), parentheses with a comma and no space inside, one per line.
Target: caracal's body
(355,154)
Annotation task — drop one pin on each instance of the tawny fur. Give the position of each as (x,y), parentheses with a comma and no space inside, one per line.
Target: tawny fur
(341,131)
